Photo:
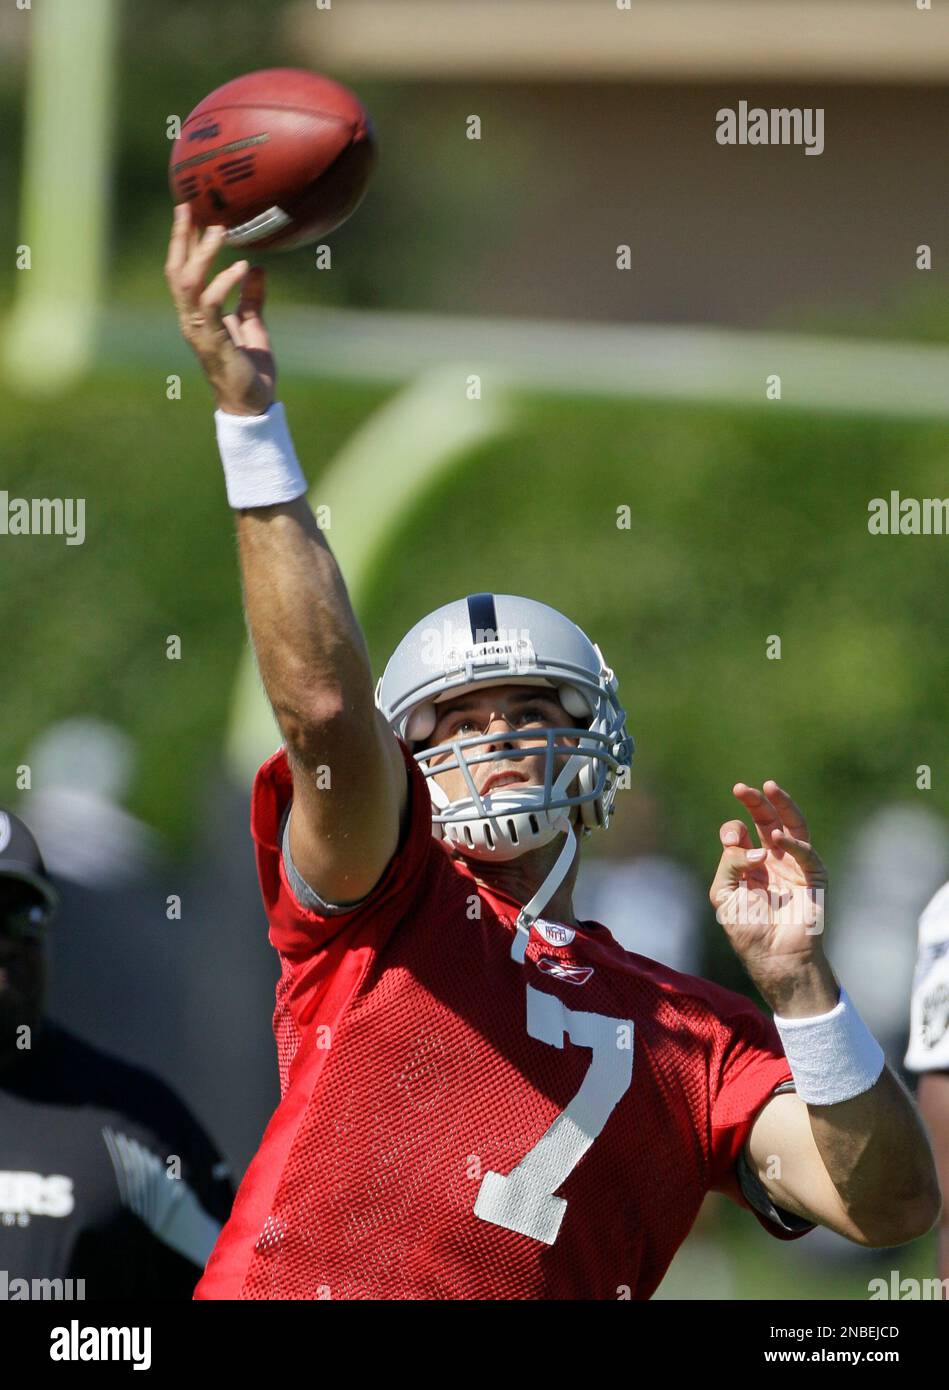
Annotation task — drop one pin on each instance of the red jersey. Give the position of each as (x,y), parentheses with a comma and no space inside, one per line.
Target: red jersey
(457,1126)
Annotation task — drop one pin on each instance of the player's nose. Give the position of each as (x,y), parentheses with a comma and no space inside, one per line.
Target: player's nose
(499,728)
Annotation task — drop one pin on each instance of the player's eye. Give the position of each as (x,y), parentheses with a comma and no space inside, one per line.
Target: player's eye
(466,725)
(463,724)
(533,713)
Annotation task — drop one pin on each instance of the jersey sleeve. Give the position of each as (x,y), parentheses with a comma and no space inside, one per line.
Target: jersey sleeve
(929,1009)
(172,1179)
(749,1067)
(301,925)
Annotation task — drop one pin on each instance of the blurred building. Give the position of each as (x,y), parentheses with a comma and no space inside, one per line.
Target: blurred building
(598,129)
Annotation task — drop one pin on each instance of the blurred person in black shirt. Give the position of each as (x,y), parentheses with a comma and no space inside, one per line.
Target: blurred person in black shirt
(105,1176)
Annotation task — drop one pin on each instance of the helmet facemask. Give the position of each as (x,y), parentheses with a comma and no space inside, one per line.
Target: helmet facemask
(507,821)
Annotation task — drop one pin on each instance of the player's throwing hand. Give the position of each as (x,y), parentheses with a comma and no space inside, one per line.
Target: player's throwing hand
(233,349)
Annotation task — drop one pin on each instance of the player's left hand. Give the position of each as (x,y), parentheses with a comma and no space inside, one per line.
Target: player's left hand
(770,900)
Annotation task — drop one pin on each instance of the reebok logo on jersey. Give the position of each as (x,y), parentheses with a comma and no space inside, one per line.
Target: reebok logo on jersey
(573,974)
(553,933)
(30,1194)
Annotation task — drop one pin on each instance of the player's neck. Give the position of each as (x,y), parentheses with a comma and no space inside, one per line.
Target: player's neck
(521,878)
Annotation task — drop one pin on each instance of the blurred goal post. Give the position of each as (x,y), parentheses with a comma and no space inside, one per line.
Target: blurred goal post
(50,337)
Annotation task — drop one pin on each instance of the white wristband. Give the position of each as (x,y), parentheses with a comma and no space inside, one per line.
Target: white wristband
(261,468)
(832,1057)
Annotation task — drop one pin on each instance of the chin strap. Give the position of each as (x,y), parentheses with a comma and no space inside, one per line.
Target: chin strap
(532,910)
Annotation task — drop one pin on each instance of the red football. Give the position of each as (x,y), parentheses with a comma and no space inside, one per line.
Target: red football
(279,157)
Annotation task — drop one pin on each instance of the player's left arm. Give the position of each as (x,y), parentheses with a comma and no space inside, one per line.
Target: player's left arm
(850,1151)
(862,1167)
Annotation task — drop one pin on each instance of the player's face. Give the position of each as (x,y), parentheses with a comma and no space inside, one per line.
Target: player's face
(500,710)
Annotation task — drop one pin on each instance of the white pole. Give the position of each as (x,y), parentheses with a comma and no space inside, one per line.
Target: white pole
(50,337)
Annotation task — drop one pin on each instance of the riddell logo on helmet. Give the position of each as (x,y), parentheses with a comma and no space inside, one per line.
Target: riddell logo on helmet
(508,647)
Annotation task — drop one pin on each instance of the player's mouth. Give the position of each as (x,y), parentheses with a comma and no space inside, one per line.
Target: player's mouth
(501,779)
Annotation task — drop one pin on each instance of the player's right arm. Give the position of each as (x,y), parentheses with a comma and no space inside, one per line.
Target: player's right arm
(345,826)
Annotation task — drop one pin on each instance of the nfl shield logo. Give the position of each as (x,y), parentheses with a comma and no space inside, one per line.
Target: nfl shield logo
(553,933)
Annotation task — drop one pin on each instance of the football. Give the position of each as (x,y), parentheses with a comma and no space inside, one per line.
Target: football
(279,157)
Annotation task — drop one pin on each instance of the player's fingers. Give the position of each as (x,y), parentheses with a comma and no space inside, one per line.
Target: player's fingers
(194,238)
(764,815)
(250,309)
(188,280)
(195,270)
(803,854)
(233,325)
(221,286)
(735,866)
(253,291)
(735,832)
(791,814)
(178,242)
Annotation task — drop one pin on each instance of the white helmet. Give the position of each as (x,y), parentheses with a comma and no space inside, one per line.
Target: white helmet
(499,639)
